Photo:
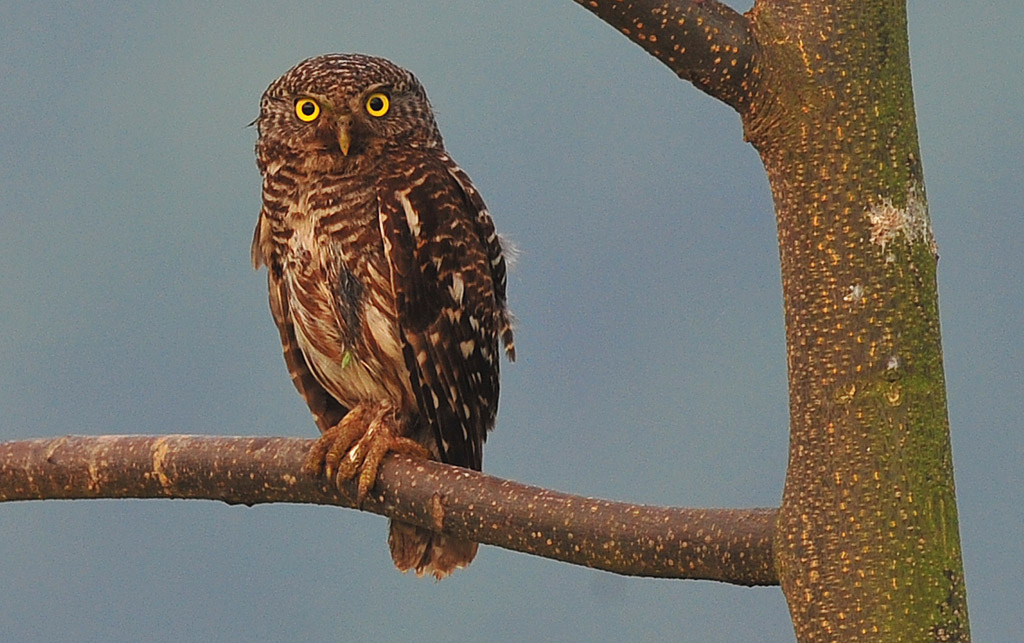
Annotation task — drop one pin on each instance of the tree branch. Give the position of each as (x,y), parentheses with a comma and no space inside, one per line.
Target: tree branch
(729,545)
(702,41)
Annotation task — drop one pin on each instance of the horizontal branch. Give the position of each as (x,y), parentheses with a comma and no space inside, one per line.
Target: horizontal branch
(702,41)
(729,545)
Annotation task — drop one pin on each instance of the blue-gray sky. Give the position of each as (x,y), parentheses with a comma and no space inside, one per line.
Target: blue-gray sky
(650,335)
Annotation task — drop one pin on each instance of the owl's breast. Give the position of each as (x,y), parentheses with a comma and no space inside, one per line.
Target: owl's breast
(340,296)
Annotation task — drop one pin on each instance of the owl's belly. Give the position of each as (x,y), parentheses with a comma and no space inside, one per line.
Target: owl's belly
(356,355)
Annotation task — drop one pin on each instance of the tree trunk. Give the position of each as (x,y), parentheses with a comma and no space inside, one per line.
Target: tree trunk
(867,542)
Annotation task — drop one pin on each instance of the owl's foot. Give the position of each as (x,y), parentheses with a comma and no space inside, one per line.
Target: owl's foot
(358,444)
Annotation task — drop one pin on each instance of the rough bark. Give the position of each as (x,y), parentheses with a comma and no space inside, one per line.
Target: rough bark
(867,543)
(733,546)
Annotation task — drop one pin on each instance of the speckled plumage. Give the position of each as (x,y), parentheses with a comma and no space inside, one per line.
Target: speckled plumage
(386,276)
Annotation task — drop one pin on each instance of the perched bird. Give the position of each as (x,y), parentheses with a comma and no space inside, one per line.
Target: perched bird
(386,277)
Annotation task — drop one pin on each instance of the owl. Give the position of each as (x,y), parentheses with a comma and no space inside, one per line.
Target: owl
(386,277)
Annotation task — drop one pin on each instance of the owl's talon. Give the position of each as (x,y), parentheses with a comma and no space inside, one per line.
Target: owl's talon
(328,452)
(357,447)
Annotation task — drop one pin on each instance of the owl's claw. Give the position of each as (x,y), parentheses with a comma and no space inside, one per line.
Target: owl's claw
(324,456)
(357,445)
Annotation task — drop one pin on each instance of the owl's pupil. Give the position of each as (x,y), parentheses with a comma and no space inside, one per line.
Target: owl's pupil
(376,104)
(308,109)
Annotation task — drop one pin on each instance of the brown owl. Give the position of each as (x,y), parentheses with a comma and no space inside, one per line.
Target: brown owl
(386,276)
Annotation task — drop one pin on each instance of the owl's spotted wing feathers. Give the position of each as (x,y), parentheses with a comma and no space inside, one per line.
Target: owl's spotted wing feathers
(447,302)
(495,256)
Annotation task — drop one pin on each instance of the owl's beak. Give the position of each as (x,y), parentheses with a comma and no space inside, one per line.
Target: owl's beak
(344,134)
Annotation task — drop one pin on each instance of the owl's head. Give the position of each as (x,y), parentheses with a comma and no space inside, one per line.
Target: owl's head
(342,111)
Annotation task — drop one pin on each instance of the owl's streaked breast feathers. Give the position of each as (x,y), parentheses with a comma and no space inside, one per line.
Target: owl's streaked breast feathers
(387,279)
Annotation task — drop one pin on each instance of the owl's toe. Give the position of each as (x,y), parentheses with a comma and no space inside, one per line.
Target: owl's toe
(328,451)
(357,445)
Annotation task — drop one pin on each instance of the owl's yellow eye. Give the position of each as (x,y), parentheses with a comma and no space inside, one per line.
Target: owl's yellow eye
(307,109)
(378,104)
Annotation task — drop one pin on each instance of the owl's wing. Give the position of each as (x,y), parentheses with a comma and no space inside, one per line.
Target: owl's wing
(492,245)
(451,309)
(326,410)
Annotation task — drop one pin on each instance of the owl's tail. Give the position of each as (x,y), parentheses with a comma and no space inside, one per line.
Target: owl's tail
(428,552)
